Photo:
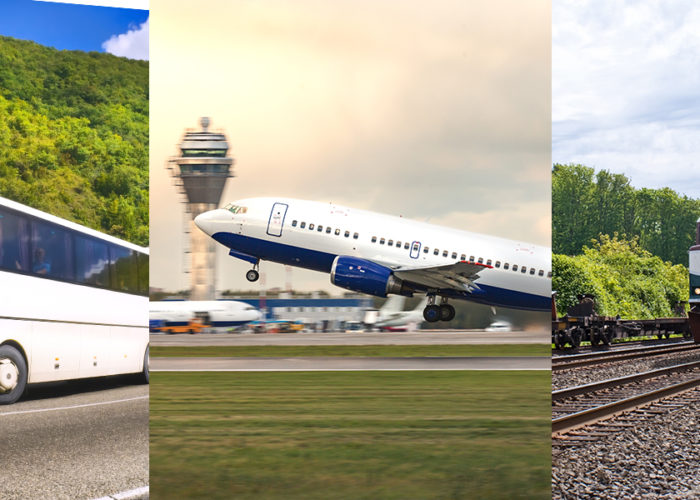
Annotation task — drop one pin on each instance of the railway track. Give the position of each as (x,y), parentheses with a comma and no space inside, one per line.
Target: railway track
(628,344)
(597,358)
(637,396)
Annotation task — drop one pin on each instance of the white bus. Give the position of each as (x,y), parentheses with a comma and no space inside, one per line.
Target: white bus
(73,302)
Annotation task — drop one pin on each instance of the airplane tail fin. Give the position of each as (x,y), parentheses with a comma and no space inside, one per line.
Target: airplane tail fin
(393,304)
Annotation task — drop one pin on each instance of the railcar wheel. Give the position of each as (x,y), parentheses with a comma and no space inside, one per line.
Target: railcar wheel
(13,374)
(431,313)
(252,275)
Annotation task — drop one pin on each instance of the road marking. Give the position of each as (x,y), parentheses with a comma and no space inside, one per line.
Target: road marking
(41,410)
(126,495)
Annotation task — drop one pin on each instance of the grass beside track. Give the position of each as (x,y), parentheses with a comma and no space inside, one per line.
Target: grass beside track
(374,435)
(360,350)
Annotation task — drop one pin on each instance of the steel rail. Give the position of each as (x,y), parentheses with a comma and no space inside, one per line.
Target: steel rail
(578,419)
(570,392)
(579,360)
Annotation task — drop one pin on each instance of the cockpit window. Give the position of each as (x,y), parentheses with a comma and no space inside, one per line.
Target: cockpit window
(236,209)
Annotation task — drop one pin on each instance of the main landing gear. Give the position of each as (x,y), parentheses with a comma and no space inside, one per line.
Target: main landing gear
(253,274)
(434,313)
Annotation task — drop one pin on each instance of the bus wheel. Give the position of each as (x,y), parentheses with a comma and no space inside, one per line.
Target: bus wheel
(145,375)
(13,374)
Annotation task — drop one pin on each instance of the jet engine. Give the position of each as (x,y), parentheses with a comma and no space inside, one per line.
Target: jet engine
(360,275)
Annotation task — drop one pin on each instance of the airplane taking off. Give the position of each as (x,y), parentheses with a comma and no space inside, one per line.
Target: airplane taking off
(381,254)
(216,313)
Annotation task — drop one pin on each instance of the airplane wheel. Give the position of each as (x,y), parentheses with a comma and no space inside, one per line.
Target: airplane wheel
(252,275)
(447,312)
(13,369)
(431,313)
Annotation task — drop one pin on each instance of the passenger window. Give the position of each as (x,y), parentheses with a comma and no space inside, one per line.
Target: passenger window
(374,239)
(463,257)
(311,227)
(382,241)
(481,260)
(124,269)
(416,246)
(541,273)
(93,261)
(14,242)
(302,225)
(549,274)
(515,267)
(444,253)
(320,229)
(454,255)
(498,263)
(52,251)
(436,251)
(471,258)
(337,232)
(347,234)
(523,269)
(355,236)
(390,243)
(426,249)
(505,266)
(328,230)
(405,246)
(294,223)
(532,270)
(398,244)
(488,262)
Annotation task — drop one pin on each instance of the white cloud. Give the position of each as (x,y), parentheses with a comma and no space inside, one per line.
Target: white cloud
(626,89)
(132,44)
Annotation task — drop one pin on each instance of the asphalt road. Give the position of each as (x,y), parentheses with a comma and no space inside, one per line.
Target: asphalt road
(317,363)
(77,440)
(422,337)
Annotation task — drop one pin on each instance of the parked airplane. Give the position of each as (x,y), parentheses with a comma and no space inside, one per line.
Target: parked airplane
(214,313)
(380,254)
(392,315)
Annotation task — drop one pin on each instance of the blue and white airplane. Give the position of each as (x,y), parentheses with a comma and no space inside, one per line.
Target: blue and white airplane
(380,254)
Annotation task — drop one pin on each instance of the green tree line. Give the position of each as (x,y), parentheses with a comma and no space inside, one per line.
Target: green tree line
(74,136)
(586,204)
(626,280)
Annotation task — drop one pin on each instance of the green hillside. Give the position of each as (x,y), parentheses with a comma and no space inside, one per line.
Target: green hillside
(74,136)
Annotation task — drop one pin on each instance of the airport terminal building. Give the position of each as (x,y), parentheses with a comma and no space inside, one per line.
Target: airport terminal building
(326,313)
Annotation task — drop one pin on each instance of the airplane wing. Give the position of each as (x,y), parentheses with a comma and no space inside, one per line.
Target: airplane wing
(459,276)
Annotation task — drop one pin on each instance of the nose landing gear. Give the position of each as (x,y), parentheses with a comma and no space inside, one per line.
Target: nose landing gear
(253,274)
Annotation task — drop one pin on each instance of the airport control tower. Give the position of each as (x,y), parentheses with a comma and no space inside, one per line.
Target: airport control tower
(201,171)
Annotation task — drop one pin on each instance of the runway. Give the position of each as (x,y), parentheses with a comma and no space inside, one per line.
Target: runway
(77,440)
(421,337)
(350,364)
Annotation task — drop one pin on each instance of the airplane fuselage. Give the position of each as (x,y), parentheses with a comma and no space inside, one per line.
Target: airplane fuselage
(312,235)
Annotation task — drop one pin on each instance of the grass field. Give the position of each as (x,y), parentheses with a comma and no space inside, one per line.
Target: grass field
(371,435)
(360,350)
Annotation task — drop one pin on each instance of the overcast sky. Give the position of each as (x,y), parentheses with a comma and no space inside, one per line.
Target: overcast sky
(626,89)
(434,112)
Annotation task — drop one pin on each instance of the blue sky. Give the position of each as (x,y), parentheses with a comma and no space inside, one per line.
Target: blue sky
(626,89)
(72,27)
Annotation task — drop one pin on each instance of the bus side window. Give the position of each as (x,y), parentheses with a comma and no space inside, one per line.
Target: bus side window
(52,251)
(124,269)
(14,242)
(92,256)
